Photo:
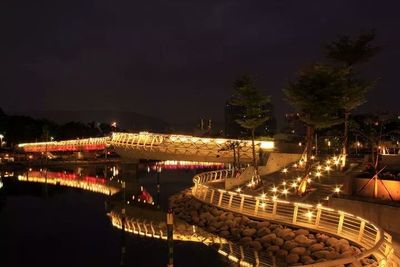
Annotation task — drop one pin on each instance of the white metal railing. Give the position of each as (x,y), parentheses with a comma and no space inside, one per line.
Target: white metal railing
(315,217)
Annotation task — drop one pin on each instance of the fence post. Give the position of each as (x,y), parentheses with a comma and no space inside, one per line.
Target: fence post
(212,196)
(256,258)
(230,200)
(241,204)
(274,208)
(256,207)
(361,232)
(295,211)
(220,198)
(340,225)
(318,217)
(241,254)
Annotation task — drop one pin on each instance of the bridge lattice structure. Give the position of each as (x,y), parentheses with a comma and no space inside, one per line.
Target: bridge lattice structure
(146,145)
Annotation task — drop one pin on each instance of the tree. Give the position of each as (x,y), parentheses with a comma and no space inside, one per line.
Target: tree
(316,96)
(253,106)
(347,53)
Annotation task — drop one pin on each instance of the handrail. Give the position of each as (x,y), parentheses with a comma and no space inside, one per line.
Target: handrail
(314,217)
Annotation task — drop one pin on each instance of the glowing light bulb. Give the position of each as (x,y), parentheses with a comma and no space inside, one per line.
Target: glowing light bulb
(309,180)
(327,168)
(284,183)
(263,195)
(274,198)
(337,190)
(298,179)
(238,189)
(319,167)
(285,170)
(285,191)
(294,185)
(274,189)
(312,157)
(318,174)
(328,162)
(309,214)
(295,165)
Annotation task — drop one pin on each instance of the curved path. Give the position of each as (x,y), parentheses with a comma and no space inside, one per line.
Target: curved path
(367,235)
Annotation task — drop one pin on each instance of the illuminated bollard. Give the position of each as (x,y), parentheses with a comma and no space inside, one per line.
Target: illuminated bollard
(170,238)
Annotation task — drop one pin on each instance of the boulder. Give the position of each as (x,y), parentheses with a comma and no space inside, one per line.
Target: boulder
(332,241)
(268,238)
(263,224)
(255,245)
(322,254)
(263,231)
(249,232)
(282,253)
(224,233)
(245,240)
(224,228)
(216,212)
(273,248)
(302,239)
(302,232)
(235,232)
(307,260)
(288,245)
(292,258)
(298,250)
(316,247)
(278,241)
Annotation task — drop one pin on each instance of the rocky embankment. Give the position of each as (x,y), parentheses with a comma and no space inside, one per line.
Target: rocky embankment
(290,246)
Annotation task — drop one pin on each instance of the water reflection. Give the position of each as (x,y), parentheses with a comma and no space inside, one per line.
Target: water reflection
(48,220)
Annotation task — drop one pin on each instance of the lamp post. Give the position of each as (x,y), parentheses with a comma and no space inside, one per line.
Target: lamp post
(1,140)
(158,169)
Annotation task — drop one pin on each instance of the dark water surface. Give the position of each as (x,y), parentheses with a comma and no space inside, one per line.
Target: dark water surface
(69,227)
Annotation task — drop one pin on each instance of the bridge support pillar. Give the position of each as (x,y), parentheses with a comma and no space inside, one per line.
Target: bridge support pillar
(129,174)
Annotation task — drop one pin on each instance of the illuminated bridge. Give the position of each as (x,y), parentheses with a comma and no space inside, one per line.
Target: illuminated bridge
(145,145)
(88,183)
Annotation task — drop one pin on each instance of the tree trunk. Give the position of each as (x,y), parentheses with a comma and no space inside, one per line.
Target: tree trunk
(346,133)
(238,156)
(234,159)
(254,152)
(310,136)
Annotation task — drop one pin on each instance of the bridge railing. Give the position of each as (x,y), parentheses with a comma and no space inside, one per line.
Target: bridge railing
(97,143)
(376,242)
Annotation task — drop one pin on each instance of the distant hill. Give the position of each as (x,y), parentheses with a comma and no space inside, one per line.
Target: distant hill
(126,120)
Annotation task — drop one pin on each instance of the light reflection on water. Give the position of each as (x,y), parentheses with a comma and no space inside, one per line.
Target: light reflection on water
(60,226)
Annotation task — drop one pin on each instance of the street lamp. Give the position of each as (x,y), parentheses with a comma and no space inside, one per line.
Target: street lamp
(1,140)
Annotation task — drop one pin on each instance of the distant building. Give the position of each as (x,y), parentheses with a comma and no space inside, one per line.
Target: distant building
(234,130)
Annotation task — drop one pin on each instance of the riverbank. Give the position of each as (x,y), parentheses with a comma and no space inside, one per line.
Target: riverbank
(290,246)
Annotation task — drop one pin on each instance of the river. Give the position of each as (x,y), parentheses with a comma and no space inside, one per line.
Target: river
(60,226)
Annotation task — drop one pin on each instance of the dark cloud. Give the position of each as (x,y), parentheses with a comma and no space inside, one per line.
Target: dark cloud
(176,59)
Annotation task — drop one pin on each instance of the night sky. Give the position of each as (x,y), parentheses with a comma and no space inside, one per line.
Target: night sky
(177,59)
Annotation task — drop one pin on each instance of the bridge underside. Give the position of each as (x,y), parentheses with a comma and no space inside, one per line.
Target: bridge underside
(129,155)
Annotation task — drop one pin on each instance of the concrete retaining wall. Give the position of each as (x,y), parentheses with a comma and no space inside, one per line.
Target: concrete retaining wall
(276,161)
